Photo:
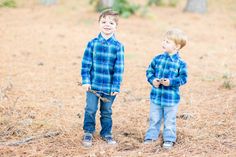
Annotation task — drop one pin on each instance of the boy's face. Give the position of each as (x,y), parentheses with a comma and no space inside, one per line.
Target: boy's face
(107,25)
(169,46)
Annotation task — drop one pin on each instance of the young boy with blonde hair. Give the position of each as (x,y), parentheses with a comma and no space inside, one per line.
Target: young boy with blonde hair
(166,73)
(102,69)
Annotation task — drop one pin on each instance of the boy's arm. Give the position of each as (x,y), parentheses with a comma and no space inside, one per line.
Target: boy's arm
(150,72)
(182,78)
(118,70)
(87,64)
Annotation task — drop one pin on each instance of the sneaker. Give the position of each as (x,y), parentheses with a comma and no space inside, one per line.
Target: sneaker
(87,139)
(148,141)
(168,145)
(109,140)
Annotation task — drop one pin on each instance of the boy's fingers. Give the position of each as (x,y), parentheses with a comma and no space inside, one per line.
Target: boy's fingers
(88,88)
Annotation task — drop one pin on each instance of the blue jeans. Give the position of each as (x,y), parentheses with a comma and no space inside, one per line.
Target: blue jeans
(91,108)
(157,113)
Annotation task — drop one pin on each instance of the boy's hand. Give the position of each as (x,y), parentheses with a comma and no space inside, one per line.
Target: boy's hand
(114,93)
(87,87)
(165,82)
(156,82)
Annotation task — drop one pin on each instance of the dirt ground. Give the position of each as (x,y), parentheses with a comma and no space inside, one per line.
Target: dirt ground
(40,58)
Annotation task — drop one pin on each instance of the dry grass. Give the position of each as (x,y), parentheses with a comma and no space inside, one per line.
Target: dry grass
(40,56)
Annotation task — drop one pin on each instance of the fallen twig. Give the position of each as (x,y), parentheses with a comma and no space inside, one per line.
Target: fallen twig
(3,91)
(185,116)
(28,139)
(95,92)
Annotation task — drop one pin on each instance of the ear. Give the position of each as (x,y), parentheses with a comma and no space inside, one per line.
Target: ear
(178,46)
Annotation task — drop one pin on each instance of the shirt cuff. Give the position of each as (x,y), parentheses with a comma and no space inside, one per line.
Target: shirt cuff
(86,81)
(115,88)
(151,80)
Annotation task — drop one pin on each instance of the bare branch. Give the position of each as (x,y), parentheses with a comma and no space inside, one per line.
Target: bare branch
(95,92)
(28,139)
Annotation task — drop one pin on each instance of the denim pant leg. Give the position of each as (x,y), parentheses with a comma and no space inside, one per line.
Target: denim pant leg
(169,132)
(90,112)
(156,113)
(106,113)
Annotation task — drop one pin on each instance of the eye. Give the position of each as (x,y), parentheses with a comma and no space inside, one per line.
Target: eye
(112,23)
(103,22)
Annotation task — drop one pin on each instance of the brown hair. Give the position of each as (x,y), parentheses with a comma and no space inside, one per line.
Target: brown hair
(177,36)
(109,12)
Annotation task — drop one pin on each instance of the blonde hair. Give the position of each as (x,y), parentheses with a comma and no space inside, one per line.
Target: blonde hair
(177,36)
(109,12)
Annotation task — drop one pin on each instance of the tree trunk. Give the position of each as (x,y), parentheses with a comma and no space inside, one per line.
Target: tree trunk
(198,6)
(106,3)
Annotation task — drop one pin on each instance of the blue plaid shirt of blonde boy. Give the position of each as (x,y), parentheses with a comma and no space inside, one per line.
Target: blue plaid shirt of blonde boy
(172,68)
(103,64)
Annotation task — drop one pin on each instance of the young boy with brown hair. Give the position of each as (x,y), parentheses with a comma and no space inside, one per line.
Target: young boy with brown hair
(102,69)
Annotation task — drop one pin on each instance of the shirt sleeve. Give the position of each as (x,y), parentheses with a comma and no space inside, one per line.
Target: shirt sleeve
(118,69)
(182,77)
(87,64)
(150,72)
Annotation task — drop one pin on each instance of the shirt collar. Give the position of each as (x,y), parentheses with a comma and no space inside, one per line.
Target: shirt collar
(173,57)
(110,40)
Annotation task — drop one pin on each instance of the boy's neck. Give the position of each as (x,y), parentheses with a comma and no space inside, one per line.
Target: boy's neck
(172,53)
(105,36)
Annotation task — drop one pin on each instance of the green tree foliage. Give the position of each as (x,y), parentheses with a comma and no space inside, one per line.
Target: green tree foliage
(8,3)
(172,3)
(126,9)
(123,7)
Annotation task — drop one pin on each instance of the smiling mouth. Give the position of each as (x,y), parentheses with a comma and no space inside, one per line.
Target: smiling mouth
(107,28)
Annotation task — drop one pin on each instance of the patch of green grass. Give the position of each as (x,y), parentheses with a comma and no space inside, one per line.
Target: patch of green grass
(8,3)
(130,56)
(227,83)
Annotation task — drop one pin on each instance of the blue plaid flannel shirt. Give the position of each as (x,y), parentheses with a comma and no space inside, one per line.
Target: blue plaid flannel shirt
(103,64)
(172,68)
